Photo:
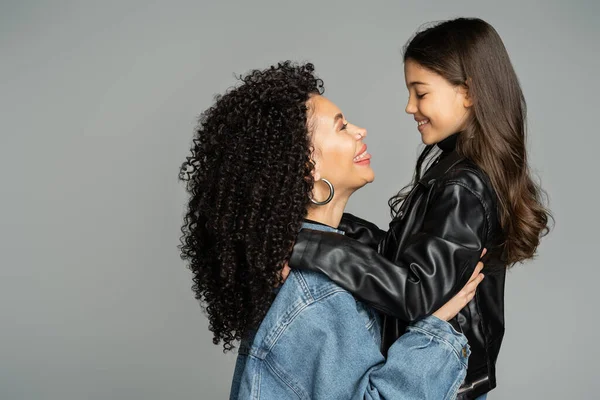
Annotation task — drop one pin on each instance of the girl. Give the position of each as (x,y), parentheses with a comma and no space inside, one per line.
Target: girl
(265,156)
(477,192)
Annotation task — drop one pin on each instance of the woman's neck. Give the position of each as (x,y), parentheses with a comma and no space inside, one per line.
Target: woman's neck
(329,214)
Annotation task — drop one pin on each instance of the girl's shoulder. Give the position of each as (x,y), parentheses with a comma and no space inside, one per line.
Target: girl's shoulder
(465,178)
(466,172)
(469,175)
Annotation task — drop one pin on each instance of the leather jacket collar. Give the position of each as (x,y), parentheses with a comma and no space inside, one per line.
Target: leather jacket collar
(448,144)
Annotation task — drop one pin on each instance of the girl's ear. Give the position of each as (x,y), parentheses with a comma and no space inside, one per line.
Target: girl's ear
(468,101)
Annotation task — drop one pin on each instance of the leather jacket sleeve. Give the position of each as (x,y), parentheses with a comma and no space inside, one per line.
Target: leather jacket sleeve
(434,265)
(362,230)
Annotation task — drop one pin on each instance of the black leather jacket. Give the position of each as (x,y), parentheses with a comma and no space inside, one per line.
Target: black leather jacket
(423,260)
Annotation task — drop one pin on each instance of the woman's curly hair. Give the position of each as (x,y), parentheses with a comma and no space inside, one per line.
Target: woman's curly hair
(249,178)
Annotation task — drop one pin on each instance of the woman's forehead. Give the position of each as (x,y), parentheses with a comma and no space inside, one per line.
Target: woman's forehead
(323,108)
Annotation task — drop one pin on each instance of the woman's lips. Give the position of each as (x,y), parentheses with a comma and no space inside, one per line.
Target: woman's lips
(365,161)
(363,157)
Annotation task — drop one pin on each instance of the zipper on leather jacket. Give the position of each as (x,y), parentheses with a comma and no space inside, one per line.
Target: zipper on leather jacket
(473,384)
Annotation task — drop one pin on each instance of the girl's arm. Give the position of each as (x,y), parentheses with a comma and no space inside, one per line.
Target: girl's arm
(435,264)
(362,230)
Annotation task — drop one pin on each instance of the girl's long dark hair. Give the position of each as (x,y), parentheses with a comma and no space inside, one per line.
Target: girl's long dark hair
(249,180)
(469,52)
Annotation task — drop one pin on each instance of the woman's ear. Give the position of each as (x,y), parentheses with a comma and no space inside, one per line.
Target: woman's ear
(315,160)
(316,173)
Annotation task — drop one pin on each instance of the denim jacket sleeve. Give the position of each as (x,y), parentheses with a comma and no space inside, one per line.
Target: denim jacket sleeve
(429,361)
(333,356)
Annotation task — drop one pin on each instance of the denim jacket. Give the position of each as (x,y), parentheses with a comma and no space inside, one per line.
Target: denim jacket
(318,342)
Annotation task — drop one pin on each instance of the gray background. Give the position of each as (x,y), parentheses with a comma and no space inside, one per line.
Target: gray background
(98,102)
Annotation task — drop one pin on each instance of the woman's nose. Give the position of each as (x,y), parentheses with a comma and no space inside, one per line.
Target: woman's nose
(361,133)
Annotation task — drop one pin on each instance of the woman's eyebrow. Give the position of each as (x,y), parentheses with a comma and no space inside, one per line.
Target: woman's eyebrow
(338,117)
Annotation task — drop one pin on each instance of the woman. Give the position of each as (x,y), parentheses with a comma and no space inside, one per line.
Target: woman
(264,164)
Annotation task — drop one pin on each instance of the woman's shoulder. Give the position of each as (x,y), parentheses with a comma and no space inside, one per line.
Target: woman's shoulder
(311,286)
(301,289)
(297,298)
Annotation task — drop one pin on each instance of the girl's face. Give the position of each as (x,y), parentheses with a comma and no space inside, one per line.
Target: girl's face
(440,108)
(340,155)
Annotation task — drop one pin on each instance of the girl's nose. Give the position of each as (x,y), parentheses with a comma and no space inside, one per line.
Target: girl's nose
(411,108)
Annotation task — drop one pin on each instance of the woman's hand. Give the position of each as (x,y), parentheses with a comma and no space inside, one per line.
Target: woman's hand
(462,298)
(285,271)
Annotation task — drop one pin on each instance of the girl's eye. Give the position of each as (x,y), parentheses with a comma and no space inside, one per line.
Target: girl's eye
(420,96)
(344,126)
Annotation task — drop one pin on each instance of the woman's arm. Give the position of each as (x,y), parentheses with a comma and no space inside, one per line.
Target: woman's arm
(428,362)
(341,360)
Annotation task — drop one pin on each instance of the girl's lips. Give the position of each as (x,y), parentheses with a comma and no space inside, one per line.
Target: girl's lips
(422,124)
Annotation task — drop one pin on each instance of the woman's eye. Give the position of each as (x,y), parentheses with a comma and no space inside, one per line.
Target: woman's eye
(344,126)
(420,96)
